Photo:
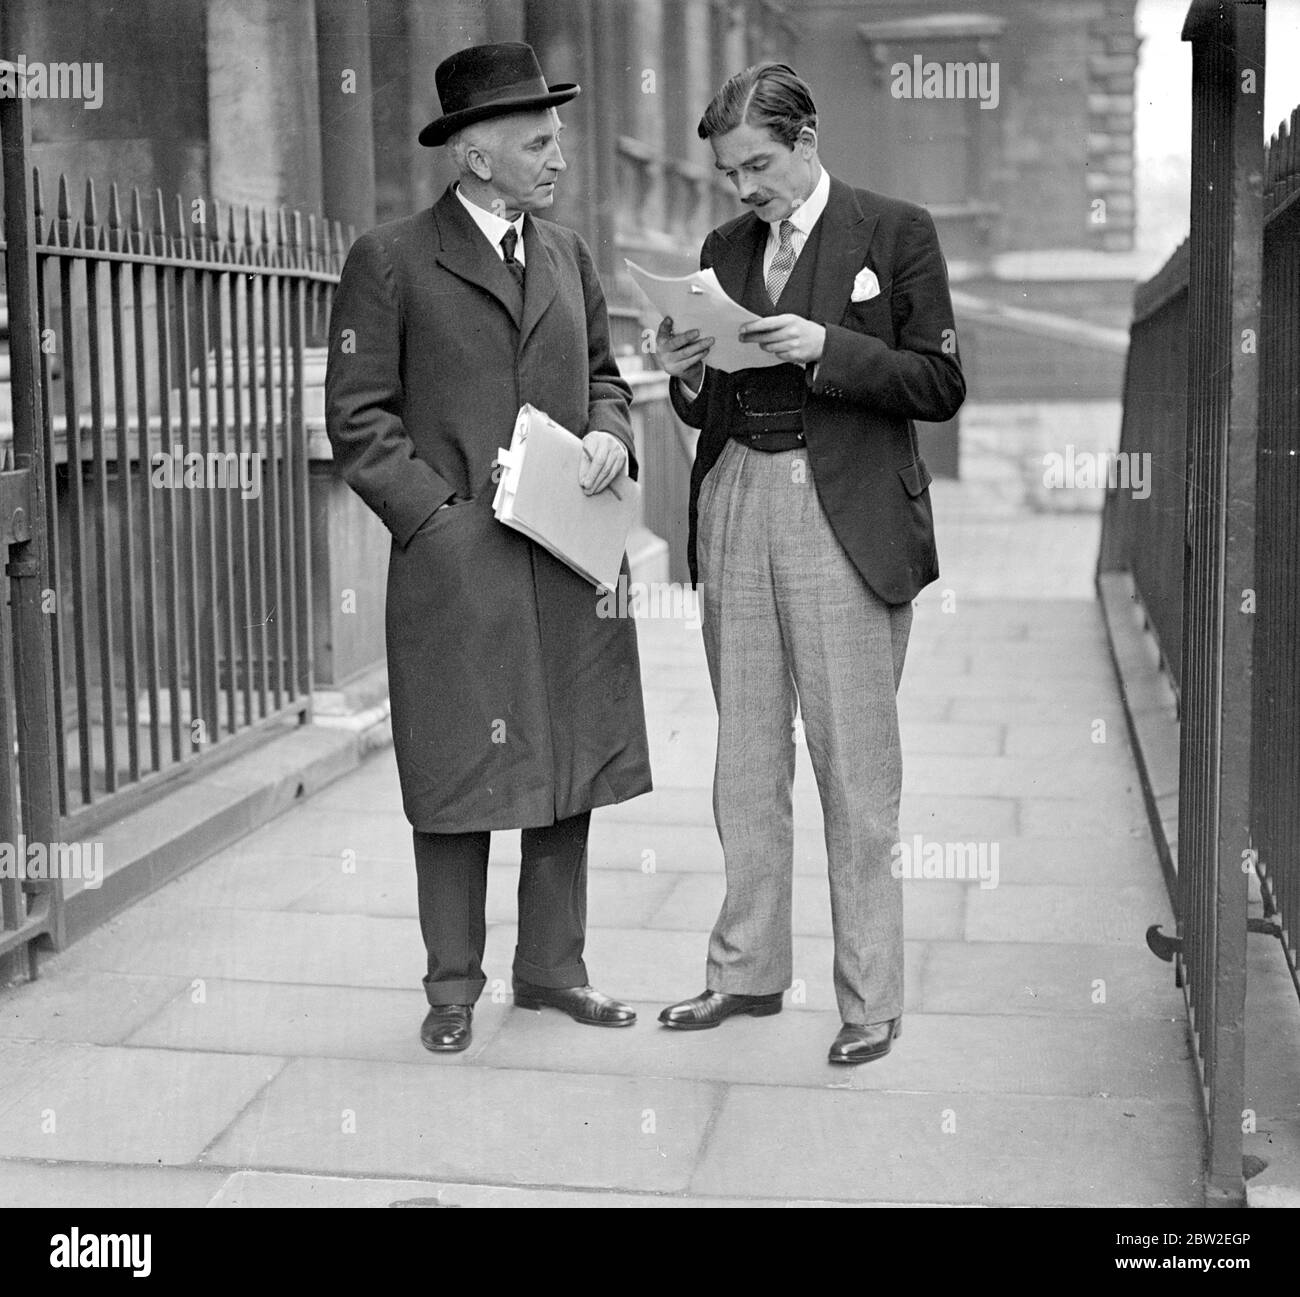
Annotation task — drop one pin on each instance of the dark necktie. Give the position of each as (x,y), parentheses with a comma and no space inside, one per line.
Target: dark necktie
(510,241)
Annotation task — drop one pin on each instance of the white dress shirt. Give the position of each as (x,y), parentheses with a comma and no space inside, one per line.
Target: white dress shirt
(494,227)
(803,218)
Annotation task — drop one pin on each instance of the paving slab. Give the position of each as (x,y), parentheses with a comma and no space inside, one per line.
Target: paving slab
(1071,817)
(330,831)
(1050,978)
(967,1053)
(1095,859)
(953,1147)
(89,1103)
(288,1020)
(1098,782)
(478,1124)
(269,1189)
(92,1007)
(1043,912)
(76,1186)
(1011,708)
(257,945)
(240,879)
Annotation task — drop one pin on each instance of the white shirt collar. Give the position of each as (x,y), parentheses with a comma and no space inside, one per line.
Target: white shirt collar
(804,217)
(494,226)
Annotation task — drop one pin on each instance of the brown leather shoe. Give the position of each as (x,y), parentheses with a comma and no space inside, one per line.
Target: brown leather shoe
(582,1003)
(711,1007)
(859,1044)
(446,1028)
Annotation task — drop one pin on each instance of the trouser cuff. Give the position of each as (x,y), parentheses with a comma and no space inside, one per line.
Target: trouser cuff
(465,991)
(557,979)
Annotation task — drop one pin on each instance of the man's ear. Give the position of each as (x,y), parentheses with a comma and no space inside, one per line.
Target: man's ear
(479,162)
(807,142)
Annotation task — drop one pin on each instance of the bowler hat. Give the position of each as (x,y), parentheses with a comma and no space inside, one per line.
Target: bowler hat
(489,81)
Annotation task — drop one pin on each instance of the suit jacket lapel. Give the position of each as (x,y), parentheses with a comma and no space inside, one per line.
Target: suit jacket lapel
(464,251)
(735,252)
(540,284)
(846,235)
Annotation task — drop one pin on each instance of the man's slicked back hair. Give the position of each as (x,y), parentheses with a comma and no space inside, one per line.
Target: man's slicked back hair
(770,95)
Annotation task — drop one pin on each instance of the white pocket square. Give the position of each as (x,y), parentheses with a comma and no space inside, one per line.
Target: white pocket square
(865,285)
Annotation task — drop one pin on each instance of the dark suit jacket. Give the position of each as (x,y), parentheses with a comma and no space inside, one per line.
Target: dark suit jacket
(514,702)
(888,360)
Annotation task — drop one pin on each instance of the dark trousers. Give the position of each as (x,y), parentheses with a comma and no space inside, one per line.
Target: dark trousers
(451,875)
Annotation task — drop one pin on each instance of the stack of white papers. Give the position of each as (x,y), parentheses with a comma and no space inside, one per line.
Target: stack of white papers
(539,495)
(698,301)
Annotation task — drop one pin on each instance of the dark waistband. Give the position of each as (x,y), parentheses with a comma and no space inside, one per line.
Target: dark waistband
(770,442)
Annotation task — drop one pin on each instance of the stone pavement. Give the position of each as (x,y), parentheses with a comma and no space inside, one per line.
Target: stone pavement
(248,1035)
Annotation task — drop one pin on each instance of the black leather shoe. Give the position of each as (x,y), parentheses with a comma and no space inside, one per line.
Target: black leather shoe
(857,1044)
(582,1003)
(711,1007)
(446,1028)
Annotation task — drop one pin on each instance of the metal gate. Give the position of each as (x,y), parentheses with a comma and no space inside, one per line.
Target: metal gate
(31,908)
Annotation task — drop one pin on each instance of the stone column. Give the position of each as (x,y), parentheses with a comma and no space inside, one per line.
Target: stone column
(562,33)
(346,124)
(263,104)
(650,81)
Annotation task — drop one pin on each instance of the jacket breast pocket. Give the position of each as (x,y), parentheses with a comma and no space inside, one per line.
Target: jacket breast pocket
(872,316)
(916,477)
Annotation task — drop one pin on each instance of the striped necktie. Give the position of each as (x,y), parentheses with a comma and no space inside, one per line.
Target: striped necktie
(509,241)
(782,263)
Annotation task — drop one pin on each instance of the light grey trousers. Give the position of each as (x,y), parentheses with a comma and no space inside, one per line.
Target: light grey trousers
(787,618)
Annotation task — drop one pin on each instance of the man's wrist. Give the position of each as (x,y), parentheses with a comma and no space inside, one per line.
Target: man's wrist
(692,388)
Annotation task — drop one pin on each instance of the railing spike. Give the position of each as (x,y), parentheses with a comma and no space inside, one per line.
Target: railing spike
(214,232)
(117,235)
(182,227)
(137,218)
(63,214)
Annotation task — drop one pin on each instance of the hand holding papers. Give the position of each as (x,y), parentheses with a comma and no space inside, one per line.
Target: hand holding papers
(698,301)
(539,495)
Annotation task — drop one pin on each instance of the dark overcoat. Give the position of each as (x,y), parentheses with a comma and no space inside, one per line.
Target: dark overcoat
(513,702)
(890,359)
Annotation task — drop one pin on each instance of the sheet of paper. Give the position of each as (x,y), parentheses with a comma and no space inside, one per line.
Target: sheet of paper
(538,494)
(698,301)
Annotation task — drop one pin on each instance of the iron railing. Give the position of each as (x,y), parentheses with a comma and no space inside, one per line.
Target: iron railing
(175,473)
(1275,766)
(1201,567)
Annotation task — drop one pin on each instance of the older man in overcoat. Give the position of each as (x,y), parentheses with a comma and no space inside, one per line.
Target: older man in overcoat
(515,705)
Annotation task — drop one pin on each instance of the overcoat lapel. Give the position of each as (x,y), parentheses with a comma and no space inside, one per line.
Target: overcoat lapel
(540,285)
(464,251)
